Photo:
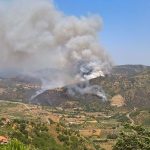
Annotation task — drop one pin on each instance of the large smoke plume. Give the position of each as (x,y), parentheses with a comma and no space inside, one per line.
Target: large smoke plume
(39,40)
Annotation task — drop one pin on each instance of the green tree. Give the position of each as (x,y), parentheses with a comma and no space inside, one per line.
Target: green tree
(133,138)
(14,145)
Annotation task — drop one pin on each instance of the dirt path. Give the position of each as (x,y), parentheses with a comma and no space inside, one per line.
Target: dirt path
(26,106)
(128,116)
(5,101)
(131,120)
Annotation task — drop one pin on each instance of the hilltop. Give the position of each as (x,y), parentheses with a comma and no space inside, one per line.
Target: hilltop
(131,82)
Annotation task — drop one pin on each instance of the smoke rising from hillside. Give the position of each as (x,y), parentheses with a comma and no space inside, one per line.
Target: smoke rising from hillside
(38,39)
(85,88)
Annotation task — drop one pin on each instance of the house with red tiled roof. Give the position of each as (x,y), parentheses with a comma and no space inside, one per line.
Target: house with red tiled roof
(3,140)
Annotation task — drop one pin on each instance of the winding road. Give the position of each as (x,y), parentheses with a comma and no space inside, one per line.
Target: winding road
(128,116)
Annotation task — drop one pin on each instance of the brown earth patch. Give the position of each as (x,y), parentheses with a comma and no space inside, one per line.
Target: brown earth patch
(118,101)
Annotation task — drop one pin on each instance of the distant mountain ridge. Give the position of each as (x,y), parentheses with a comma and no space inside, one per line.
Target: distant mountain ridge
(129,69)
(132,82)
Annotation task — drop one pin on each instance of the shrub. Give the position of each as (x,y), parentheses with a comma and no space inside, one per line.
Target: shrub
(14,145)
(133,137)
(112,136)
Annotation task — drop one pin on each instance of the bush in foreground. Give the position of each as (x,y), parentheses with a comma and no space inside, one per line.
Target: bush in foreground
(133,138)
(14,145)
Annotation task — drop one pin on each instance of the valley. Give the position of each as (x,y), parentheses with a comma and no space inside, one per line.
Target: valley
(97,129)
(82,121)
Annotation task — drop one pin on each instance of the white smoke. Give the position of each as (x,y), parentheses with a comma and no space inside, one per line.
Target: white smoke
(39,40)
(83,88)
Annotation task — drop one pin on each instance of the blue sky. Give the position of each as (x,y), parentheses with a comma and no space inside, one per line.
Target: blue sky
(126,29)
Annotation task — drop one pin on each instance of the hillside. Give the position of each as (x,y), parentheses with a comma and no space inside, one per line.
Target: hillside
(79,121)
(131,82)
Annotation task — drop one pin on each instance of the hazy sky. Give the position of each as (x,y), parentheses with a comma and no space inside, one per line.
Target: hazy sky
(126,30)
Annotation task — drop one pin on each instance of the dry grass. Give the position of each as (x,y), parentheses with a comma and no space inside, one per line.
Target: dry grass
(90,132)
(108,145)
